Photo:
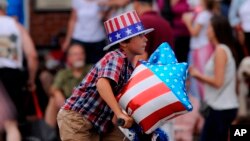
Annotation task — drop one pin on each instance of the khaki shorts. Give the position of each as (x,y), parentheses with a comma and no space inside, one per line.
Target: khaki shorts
(74,127)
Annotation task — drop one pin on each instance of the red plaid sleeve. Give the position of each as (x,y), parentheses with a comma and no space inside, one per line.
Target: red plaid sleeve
(111,68)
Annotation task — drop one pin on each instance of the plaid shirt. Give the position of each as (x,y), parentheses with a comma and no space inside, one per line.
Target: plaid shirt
(86,99)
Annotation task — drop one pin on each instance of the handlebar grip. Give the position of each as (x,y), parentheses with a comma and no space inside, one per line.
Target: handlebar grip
(120,122)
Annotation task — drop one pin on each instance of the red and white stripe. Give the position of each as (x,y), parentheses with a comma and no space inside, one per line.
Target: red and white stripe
(121,21)
(150,105)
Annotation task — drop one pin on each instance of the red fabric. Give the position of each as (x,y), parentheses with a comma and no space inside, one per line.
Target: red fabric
(179,28)
(57,54)
(39,112)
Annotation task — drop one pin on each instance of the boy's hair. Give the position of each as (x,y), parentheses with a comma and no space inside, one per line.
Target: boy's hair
(118,45)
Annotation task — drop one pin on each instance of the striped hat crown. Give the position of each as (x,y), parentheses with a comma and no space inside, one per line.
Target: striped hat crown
(123,27)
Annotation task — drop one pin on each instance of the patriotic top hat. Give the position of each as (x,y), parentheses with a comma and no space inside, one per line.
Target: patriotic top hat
(123,27)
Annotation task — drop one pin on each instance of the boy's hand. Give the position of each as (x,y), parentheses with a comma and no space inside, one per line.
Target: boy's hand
(128,121)
(105,91)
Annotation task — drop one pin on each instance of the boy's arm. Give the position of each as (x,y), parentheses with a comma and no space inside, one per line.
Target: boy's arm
(105,91)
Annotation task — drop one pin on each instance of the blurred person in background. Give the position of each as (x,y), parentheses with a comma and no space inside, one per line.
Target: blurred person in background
(152,19)
(219,78)
(116,7)
(239,17)
(200,47)
(173,11)
(65,80)
(51,61)
(15,46)
(7,119)
(85,28)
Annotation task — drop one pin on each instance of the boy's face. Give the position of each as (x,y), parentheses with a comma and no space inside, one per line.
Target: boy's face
(137,44)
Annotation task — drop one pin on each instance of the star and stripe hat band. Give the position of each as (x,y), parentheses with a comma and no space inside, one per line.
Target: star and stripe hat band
(123,27)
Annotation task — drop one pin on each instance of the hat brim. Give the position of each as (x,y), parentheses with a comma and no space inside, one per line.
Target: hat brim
(144,31)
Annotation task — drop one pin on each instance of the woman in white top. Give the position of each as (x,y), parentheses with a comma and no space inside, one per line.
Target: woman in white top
(220,81)
(85,28)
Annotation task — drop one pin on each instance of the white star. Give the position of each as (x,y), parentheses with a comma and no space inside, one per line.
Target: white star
(118,35)
(189,106)
(155,137)
(156,70)
(139,27)
(161,74)
(162,55)
(165,68)
(170,56)
(128,31)
(175,80)
(172,86)
(170,73)
(167,80)
(110,39)
(184,99)
(174,68)
(178,93)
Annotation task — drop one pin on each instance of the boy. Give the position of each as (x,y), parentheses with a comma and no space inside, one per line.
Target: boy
(93,104)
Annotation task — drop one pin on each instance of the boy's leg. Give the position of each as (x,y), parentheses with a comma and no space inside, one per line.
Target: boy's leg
(73,127)
(114,135)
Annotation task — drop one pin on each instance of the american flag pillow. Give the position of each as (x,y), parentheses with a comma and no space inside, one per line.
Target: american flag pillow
(156,90)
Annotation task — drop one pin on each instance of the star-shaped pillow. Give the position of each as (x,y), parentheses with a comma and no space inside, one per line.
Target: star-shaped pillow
(156,90)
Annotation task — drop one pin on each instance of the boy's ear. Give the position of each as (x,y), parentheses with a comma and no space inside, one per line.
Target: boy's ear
(123,44)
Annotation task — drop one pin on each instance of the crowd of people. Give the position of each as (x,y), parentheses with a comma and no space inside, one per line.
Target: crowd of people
(78,82)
